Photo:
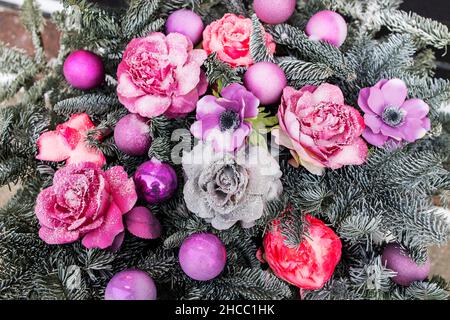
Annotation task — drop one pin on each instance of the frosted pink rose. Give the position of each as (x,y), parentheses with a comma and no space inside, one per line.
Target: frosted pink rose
(161,75)
(85,202)
(319,129)
(229,37)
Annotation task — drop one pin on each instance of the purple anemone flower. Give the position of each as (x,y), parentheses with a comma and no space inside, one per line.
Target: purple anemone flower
(221,121)
(389,116)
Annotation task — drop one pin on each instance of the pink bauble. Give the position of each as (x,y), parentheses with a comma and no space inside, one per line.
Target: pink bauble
(186,22)
(142,223)
(132,135)
(131,285)
(202,256)
(266,81)
(407,270)
(327,26)
(84,70)
(274,11)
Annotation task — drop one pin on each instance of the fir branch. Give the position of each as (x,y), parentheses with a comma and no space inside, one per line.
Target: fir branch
(258,47)
(300,73)
(32,19)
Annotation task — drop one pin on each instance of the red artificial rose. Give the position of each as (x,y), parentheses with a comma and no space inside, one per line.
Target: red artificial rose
(312,263)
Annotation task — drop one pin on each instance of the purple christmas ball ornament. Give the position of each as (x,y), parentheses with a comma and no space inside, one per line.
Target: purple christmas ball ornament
(274,11)
(155,181)
(266,81)
(84,70)
(186,22)
(142,223)
(328,26)
(132,135)
(131,285)
(202,256)
(407,270)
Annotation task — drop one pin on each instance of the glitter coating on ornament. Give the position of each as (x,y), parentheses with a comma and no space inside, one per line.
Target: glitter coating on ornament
(131,285)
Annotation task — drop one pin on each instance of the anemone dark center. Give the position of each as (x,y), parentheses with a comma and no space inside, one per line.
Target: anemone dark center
(393,116)
(229,120)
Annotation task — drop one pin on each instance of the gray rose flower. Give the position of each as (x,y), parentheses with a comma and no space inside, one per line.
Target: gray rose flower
(225,188)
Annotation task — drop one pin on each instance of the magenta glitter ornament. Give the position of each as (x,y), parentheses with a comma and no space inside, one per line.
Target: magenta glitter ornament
(84,70)
(132,135)
(155,181)
(327,26)
(266,81)
(131,285)
(142,223)
(186,22)
(407,270)
(202,256)
(274,11)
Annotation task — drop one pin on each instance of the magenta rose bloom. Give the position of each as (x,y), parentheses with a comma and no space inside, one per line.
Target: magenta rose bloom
(161,75)
(320,129)
(389,116)
(85,202)
(222,121)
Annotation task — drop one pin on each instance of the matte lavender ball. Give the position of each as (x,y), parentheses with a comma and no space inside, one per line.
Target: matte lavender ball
(327,26)
(186,22)
(407,270)
(274,11)
(84,70)
(266,81)
(155,181)
(132,135)
(142,223)
(131,285)
(202,256)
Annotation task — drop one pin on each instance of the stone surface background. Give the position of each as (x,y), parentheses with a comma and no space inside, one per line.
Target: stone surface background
(14,34)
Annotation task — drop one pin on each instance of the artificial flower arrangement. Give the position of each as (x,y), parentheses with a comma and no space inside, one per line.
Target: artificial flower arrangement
(229,179)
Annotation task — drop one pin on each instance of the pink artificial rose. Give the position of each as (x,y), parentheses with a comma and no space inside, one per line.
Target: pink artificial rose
(85,202)
(161,75)
(229,37)
(320,129)
(68,142)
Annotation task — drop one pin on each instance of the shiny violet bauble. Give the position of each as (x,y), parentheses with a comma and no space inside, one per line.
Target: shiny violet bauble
(155,181)
(202,256)
(327,26)
(266,81)
(407,270)
(142,223)
(84,70)
(186,22)
(132,135)
(131,285)
(274,11)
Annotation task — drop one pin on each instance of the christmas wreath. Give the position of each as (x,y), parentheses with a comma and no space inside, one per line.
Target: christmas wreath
(232,149)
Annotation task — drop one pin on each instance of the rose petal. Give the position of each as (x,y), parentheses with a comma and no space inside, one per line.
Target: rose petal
(150,106)
(394,92)
(58,235)
(182,105)
(121,188)
(52,147)
(127,88)
(188,77)
(104,236)
(178,45)
(328,93)
(83,153)
(354,154)
(80,122)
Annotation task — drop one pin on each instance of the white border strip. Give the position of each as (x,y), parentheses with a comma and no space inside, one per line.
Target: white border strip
(48,6)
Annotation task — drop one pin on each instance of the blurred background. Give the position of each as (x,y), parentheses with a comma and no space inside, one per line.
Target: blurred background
(13,34)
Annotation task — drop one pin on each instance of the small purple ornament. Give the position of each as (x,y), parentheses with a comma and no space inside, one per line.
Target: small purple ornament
(328,26)
(186,22)
(407,270)
(274,11)
(256,80)
(202,256)
(155,181)
(142,223)
(132,135)
(131,285)
(84,70)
